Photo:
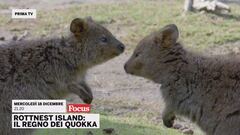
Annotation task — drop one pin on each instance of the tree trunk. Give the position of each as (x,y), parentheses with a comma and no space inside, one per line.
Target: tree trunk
(188,5)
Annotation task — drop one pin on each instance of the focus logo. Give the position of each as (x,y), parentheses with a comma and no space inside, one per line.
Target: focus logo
(78,108)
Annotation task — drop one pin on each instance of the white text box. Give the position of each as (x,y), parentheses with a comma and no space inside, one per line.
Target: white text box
(30,121)
(24,13)
(39,106)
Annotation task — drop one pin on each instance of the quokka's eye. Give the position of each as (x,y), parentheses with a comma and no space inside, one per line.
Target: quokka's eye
(104,39)
(137,54)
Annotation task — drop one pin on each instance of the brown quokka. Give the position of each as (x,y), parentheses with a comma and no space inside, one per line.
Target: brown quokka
(45,69)
(205,89)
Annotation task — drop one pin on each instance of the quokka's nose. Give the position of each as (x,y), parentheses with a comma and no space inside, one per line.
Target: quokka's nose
(88,101)
(121,47)
(125,67)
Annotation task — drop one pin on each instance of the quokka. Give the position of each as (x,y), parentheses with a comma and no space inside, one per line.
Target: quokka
(50,68)
(205,89)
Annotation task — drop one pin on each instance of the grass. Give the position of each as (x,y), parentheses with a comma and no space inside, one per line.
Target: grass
(140,17)
(121,125)
(130,122)
(4,6)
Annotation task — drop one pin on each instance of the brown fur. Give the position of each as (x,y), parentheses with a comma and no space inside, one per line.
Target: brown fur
(48,69)
(203,88)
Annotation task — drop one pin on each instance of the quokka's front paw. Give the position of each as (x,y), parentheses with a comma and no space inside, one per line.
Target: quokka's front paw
(82,90)
(168,120)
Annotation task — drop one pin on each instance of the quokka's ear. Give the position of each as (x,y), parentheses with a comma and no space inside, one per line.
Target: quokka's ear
(89,18)
(78,26)
(168,36)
